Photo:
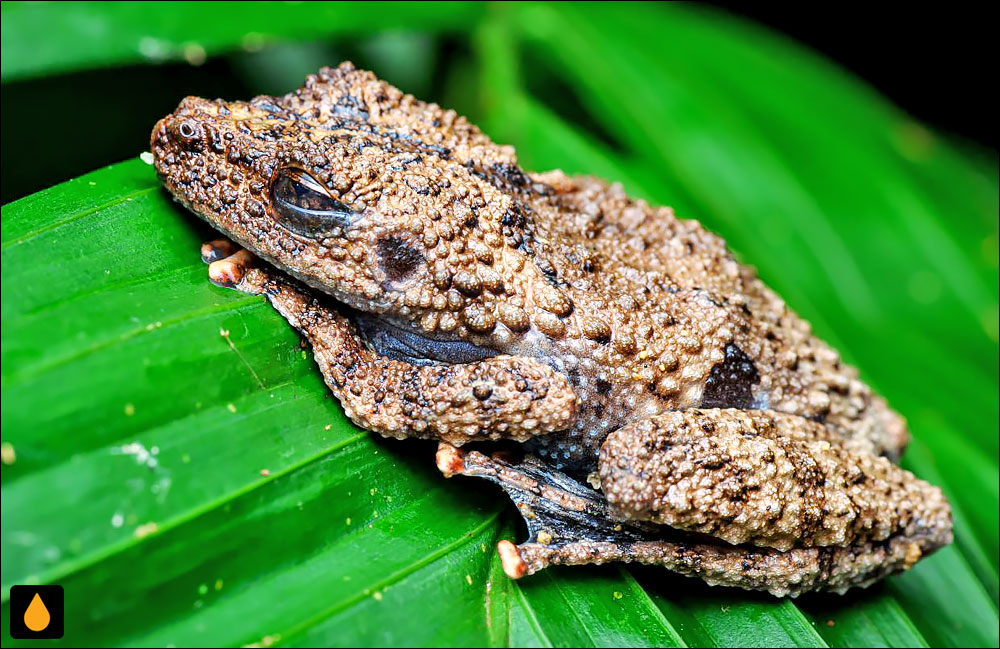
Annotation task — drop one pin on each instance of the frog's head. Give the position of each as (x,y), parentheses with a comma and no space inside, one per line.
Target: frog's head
(396,208)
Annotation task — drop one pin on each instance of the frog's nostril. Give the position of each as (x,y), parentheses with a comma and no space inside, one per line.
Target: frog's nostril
(188,130)
(187,133)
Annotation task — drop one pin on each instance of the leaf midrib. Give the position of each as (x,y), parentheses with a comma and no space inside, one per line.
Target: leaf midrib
(28,236)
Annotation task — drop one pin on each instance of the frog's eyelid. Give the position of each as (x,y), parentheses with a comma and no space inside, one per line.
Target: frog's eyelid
(313,223)
(307,181)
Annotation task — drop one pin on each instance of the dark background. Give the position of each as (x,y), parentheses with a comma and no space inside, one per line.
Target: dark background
(935,64)
(931,64)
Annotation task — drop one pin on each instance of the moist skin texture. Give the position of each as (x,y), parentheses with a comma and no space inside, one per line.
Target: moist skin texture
(670,408)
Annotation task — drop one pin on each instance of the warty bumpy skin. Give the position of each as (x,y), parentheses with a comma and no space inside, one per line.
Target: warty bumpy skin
(626,347)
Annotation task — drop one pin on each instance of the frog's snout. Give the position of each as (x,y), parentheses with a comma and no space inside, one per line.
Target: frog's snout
(185,127)
(180,131)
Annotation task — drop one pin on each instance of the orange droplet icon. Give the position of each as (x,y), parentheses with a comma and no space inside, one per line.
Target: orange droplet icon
(36,616)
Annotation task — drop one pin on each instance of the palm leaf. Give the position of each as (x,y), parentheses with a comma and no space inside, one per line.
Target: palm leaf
(177,465)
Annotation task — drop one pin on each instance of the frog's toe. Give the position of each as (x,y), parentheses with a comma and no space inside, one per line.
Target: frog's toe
(229,272)
(217,249)
(510,559)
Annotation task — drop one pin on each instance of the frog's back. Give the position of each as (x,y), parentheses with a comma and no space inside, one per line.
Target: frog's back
(665,318)
(436,232)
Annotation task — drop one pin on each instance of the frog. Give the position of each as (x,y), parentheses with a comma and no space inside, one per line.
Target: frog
(638,392)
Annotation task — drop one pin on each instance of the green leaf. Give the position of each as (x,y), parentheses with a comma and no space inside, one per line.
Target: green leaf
(600,607)
(176,463)
(202,487)
(40,39)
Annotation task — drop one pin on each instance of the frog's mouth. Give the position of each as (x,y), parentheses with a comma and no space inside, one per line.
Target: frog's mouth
(402,343)
(391,338)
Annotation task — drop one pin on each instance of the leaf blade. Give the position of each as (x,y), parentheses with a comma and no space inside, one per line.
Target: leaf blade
(41,38)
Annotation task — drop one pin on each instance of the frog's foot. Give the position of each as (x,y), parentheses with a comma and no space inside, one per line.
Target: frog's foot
(568,523)
(230,271)
(227,263)
(571,524)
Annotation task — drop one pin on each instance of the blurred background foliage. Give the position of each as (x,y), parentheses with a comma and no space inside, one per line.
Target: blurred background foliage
(182,499)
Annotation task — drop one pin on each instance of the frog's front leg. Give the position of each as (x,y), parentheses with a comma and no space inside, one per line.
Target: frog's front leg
(501,397)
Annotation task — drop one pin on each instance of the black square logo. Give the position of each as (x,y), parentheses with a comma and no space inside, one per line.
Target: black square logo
(36,612)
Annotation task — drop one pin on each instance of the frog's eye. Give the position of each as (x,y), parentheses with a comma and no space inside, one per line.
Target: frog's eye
(302,205)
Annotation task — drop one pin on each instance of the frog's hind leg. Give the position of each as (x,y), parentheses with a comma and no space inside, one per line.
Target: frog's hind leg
(569,524)
(768,479)
(775,485)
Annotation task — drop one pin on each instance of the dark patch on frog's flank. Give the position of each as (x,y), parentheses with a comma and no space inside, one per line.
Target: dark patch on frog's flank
(397,258)
(580,513)
(730,383)
(350,106)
